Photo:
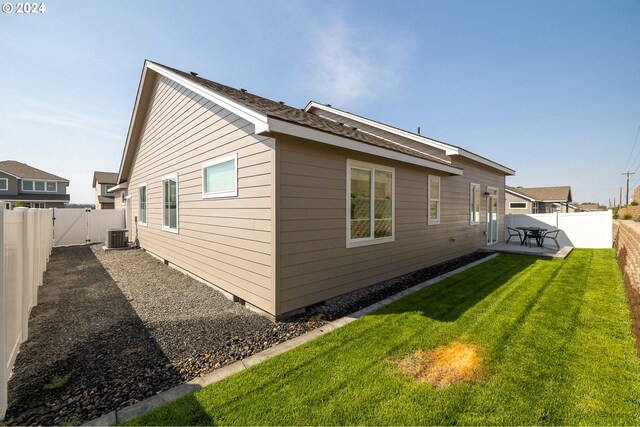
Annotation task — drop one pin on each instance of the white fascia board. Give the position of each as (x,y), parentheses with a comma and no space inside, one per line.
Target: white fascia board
(134,114)
(515,193)
(121,186)
(449,150)
(252,116)
(281,126)
(10,174)
(482,160)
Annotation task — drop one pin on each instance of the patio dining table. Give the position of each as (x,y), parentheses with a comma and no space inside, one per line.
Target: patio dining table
(535,232)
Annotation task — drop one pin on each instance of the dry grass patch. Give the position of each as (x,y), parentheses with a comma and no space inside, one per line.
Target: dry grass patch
(443,366)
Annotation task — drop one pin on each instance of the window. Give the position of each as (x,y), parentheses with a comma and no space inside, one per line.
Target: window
(434,200)
(4,184)
(474,204)
(48,186)
(517,205)
(142,204)
(370,190)
(170,203)
(219,177)
(123,196)
(535,207)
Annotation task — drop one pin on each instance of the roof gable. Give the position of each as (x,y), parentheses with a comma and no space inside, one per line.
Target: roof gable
(24,171)
(104,178)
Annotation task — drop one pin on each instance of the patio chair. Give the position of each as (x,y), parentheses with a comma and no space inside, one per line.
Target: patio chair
(551,235)
(513,233)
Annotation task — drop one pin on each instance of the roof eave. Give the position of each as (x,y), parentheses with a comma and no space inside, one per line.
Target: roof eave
(450,150)
(284,127)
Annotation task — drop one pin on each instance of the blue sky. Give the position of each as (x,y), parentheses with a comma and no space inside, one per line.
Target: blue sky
(548,88)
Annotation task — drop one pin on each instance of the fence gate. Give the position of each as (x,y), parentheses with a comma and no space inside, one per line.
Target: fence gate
(82,226)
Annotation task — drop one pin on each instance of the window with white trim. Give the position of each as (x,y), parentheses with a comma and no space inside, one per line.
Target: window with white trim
(434,200)
(220,177)
(517,205)
(142,204)
(4,184)
(42,186)
(370,204)
(170,203)
(474,203)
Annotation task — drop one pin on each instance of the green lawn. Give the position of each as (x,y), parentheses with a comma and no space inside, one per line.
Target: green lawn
(555,336)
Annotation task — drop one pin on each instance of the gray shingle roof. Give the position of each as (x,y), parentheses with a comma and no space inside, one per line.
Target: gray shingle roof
(545,193)
(24,171)
(299,116)
(105,178)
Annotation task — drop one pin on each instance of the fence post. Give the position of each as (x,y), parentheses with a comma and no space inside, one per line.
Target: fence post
(26,279)
(3,315)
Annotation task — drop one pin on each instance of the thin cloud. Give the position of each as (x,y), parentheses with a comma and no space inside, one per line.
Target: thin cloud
(349,65)
(29,112)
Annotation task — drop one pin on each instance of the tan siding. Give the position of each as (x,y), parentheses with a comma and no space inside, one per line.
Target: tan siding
(227,241)
(314,262)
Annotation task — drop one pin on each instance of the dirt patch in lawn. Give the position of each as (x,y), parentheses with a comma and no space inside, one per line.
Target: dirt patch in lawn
(443,366)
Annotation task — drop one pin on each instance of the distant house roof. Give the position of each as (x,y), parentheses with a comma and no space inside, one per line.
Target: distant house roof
(544,194)
(24,171)
(105,178)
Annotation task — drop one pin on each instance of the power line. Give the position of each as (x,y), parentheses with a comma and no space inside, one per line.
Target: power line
(633,148)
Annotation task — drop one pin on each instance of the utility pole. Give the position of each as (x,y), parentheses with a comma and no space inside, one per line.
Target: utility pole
(620,199)
(628,174)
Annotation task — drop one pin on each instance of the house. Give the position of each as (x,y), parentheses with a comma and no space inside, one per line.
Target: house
(532,200)
(102,181)
(31,187)
(284,207)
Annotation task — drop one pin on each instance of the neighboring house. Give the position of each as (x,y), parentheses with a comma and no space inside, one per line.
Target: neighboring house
(591,207)
(521,200)
(32,187)
(284,207)
(102,181)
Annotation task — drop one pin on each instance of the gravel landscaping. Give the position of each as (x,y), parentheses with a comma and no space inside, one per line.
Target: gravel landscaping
(114,328)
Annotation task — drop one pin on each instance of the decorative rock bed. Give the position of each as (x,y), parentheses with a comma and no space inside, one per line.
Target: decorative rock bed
(114,328)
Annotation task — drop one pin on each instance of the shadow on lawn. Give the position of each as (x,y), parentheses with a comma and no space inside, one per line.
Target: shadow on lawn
(88,352)
(449,299)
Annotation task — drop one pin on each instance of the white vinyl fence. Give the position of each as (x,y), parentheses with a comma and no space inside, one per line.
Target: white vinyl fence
(578,229)
(81,226)
(26,238)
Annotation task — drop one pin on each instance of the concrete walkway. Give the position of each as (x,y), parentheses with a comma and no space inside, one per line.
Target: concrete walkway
(196,384)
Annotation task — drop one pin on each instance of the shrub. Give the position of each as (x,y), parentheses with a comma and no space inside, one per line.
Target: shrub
(634,203)
(627,216)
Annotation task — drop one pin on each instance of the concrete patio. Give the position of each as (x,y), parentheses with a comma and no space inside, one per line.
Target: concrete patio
(514,247)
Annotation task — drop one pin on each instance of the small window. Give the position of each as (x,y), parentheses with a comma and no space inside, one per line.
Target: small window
(4,184)
(474,204)
(370,204)
(170,203)
(517,205)
(142,204)
(27,185)
(434,200)
(52,186)
(123,196)
(219,177)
